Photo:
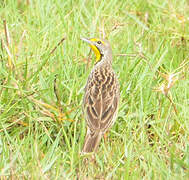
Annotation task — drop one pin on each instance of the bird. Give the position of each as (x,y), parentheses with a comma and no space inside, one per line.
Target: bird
(101,95)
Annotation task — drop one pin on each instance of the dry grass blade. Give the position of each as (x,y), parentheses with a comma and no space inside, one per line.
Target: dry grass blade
(20,43)
(102,30)
(7,34)
(57,45)
(10,56)
(7,45)
(48,113)
(169,80)
(21,123)
(128,54)
(43,104)
(61,115)
(1,45)
(173,104)
(116,26)
(56,91)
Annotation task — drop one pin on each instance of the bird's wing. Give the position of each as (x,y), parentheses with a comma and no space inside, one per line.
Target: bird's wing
(101,100)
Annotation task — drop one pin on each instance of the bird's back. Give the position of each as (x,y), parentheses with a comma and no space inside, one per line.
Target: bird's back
(101,97)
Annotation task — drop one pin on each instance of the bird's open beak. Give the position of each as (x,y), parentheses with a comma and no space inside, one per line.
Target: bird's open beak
(93,47)
(87,40)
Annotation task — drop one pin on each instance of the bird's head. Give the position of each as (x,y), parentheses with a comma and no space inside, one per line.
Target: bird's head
(101,48)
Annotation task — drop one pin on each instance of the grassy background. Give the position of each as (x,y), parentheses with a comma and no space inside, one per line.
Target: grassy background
(39,140)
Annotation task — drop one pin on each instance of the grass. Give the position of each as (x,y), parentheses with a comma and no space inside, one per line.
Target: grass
(39,140)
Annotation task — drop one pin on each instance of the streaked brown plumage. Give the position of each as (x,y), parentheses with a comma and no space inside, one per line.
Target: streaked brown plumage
(101,99)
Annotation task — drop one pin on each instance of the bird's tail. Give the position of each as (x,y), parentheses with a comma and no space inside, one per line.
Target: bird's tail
(92,142)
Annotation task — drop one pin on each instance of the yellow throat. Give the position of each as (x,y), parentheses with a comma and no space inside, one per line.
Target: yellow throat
(95,49)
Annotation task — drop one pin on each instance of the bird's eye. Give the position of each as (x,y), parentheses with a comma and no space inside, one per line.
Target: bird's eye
(99,42)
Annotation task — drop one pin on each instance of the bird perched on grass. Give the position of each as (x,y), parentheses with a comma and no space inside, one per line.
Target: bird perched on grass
(102,94)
